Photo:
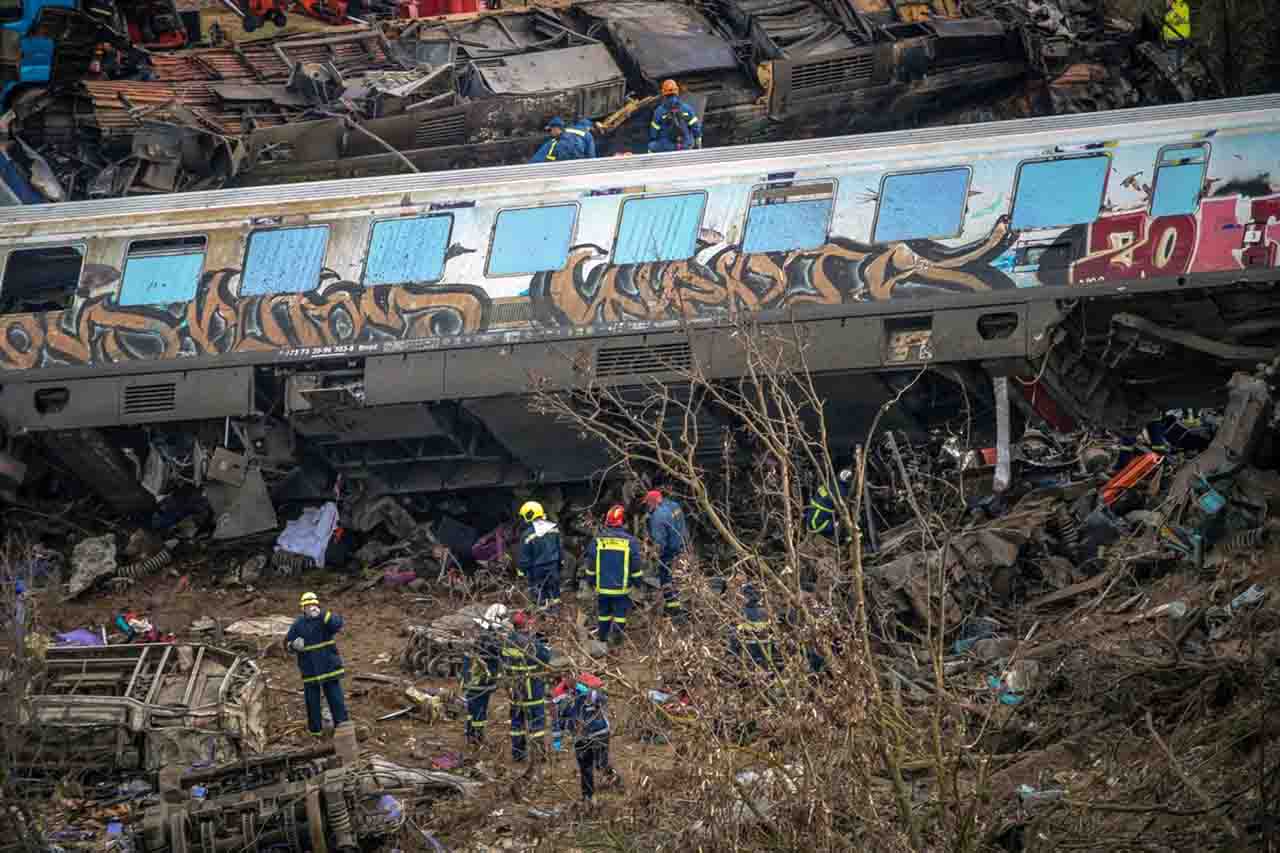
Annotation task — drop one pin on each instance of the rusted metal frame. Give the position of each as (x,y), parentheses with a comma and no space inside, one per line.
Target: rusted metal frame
(128,691)
(155,685)
(226,680)
(198,60)
(191,681)
(253,70)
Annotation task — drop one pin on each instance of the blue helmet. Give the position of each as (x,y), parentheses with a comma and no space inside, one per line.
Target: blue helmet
(556,121)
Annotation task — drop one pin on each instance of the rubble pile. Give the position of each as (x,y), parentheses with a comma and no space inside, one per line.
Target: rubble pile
(124,114)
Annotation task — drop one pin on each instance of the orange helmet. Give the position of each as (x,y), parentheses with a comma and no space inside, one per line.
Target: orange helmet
(669,87)
(616,516)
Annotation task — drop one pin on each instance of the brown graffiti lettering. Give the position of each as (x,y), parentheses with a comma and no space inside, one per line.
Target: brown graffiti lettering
(731,281)
(217,321)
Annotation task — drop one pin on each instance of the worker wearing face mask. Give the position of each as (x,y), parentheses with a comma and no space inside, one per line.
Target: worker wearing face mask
(311,639)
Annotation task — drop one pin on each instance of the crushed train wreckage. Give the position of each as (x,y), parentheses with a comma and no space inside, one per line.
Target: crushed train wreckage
(141,708)
(474,91)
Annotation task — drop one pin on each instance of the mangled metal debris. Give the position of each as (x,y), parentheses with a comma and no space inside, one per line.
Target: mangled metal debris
(141,707)
(292,801)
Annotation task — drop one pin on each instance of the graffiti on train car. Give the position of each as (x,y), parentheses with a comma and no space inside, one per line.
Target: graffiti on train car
(729,281)
(216,321)
(1227,232)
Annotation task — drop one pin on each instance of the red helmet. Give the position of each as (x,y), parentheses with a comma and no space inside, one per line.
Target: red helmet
(520,619)
(616,516)
(652,498)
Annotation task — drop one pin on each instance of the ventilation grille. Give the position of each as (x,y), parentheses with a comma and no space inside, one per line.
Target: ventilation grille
(833,73)
(150,399)
(444,130)
(512,312)
(623,361)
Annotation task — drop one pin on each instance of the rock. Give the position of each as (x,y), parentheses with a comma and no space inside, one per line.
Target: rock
(993,649)
(91,560)
(597,649)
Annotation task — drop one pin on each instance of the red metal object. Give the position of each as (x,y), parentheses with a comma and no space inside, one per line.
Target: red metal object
(329,11)
(1045,406)
(1132,474)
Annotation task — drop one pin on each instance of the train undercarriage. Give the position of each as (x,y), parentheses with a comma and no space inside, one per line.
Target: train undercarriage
(435,422)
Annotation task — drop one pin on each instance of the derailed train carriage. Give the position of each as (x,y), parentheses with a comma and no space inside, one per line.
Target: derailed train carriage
(387,330)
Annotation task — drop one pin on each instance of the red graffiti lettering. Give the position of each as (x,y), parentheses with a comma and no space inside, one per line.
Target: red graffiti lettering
(1131,245)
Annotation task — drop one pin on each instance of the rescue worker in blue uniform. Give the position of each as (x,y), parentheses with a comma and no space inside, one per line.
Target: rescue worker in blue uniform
(588,719)
(752,637)
(615,564)
(675,125)
(311,639)
(821,516)
(560,145)
(540,556)
(582,131)
(525,659)
(670,533)
(480,671)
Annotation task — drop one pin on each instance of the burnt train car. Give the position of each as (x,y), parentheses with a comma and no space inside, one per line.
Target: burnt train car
(387,329)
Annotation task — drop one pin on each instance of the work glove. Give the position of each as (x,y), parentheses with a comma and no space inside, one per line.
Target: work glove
(298,644)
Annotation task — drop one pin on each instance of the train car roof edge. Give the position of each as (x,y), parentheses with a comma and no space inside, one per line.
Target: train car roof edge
(461,179)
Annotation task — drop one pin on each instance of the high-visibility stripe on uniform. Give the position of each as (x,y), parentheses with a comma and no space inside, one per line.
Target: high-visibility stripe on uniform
(551,152)
(575,131)
(323,645)
(611,543)
(325,677)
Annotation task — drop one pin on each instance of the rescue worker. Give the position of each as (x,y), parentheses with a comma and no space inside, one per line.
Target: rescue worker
(559,146)
(311,639)
(615,561)
(540,556)
(752,637)
(525,659)
(670,533)
(675,125)
(582,131)
(1175,30)
(587,717)
(480,671)
(821,517)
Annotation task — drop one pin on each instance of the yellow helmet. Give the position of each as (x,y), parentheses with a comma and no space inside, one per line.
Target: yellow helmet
(532,510)
(308,599)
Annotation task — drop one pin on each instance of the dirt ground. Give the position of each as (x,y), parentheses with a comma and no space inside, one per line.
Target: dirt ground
(371,643)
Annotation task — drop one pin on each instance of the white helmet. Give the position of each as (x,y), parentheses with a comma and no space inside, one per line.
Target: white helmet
(493,618)
(846,474)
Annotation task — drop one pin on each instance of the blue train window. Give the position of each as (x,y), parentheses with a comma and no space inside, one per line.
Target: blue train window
(658,228)
(785,218)
(1058,193)
(284,260)
(921,205)
(1179,180)
(161,272)
(532,239)
(404,250)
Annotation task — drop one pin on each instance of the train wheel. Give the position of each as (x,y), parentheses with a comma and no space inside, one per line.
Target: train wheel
(278,18)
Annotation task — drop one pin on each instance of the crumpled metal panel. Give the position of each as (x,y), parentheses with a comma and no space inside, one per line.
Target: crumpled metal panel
(138,707)
(552,70)
(663,39)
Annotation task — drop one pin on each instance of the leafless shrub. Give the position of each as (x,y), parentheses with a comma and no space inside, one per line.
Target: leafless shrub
(787,755)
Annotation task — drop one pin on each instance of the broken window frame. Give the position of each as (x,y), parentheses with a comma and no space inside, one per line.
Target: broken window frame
(788,185)
(248,249)
(1017,187)
(10,251)
(129,254)
(649,259)
(964,204)
(493,236)
(1206,153)
(444,254)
